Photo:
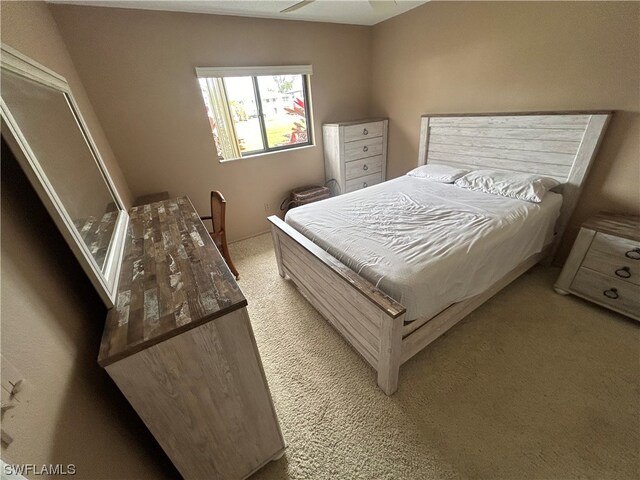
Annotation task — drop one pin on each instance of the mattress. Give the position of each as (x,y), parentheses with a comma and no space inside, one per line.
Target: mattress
(426,244)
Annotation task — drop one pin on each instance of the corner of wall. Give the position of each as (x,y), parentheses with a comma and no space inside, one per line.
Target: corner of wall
(30,28)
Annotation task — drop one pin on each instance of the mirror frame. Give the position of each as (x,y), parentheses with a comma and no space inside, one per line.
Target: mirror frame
(104,279)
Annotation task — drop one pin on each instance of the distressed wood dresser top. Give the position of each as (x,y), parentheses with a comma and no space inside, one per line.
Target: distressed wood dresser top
(617,224)
(172,279)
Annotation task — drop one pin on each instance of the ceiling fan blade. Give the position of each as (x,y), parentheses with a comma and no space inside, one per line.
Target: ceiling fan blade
(296,6)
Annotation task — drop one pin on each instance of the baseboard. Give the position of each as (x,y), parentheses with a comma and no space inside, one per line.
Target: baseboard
(248,237)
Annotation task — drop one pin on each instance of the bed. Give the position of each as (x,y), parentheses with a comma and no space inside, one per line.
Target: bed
(394,266)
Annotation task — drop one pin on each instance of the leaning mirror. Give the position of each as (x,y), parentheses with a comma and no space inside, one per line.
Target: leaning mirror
(43,128)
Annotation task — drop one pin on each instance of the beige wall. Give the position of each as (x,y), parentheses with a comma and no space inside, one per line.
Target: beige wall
(30,28)
(442,57)
(138,69)
(517,56)
(52,318)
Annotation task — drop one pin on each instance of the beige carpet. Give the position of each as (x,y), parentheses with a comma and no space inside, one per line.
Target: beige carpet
(531,385)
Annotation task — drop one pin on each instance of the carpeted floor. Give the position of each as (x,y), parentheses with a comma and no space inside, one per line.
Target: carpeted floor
(532,385)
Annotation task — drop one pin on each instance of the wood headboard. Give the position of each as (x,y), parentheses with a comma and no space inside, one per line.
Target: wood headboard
(561,145)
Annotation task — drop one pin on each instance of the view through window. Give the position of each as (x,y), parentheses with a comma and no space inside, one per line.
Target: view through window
(257,114)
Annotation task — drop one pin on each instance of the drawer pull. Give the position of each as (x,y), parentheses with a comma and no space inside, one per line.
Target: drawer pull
(365,167)
(623,272)
(365,149)
(611,293)
(365,132)
(633,254)
(364,184)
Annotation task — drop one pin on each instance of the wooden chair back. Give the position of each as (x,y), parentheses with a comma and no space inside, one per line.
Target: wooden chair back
(218,208)
(218,235)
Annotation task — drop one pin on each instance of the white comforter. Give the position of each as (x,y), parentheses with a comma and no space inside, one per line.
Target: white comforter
(428,244)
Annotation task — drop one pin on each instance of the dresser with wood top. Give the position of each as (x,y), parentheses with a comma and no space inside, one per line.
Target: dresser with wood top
(604,264)
(355,154)
(180,346)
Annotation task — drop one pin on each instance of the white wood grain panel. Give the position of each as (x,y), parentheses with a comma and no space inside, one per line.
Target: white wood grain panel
(596,286)
(390,354)
(328,310)
(525,154)
(278,253)
(617,246)
(548,134)
(332,307)
(558,172)
(316,299)
(425,130)
(363,131)
(363,182)
(591,140)
(385,139)
(348,296)
(354,314)
(616,266)
(554,146)
(574,260)
(577,122)
(368,147)
(363,167)
(218,421)
(332,145)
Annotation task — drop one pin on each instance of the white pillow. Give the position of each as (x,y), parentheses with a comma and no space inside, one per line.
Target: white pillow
(523,186)
(438,173)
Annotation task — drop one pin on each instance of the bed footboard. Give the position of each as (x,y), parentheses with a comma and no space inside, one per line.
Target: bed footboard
(366,317)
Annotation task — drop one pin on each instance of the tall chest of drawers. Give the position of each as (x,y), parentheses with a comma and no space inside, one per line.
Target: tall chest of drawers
(604,264)
(355,154)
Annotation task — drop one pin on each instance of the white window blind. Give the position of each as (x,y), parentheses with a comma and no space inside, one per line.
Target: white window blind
(218,72)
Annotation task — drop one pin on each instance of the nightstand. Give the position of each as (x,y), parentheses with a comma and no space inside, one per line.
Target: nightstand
(604,264)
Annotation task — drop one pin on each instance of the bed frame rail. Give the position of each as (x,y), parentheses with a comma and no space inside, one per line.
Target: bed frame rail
(368,318)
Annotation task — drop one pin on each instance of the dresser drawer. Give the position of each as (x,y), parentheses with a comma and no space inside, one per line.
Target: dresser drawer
(363,182)
(617,266)
(362,131)
(363,167)
(608,291)
(368,147)
(616,246)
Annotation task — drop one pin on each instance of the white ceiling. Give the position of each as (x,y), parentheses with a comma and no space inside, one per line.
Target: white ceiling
(355,12)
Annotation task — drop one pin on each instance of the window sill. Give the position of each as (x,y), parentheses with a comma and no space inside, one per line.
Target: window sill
(262,154)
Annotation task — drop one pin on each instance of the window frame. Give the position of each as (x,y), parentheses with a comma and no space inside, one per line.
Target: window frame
(263,127)
(305,71)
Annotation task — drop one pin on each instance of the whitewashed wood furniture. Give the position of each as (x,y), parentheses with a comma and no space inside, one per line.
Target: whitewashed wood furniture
(179,345)
(561,145)
(604,264)
(355,154)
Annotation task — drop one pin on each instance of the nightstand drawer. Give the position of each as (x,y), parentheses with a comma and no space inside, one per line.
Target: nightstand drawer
(612,292)
(363,182)
(616,246)
(368,147)
(613,265)
(363,167)
(362,131)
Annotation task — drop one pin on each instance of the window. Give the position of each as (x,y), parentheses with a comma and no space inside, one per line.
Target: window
(255,110)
